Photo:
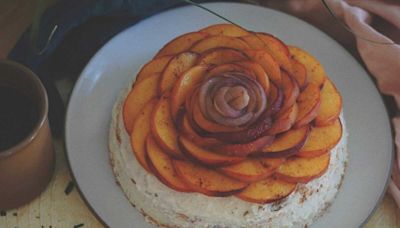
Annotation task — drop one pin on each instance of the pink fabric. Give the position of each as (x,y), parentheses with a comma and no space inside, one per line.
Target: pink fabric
(382,61)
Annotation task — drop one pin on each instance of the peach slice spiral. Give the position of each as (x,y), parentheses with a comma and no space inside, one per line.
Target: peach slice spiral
(232,99)
(237,114)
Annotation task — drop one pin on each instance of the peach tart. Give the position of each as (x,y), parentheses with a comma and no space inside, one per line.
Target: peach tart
(226,127)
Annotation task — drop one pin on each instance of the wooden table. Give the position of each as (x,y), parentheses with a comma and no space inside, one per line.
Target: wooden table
(60,205)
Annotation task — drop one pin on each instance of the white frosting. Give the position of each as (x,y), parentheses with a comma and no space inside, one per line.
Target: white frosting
(172,208)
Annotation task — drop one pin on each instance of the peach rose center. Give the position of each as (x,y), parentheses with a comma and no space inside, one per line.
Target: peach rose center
(232,99)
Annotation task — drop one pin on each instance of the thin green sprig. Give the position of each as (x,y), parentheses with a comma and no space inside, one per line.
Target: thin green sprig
(210,11)
(335,17)
(327,7)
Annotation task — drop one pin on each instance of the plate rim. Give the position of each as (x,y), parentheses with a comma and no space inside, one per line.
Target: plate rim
(80,79)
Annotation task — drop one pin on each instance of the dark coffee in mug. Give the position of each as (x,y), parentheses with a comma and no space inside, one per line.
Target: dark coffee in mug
(18,116)
(26,149)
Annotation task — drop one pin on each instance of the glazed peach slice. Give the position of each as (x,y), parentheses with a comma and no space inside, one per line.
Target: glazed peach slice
(284,121)
(322,139)
(309,102)
(219,41)
(252,132)
(155,66)
(244,149)
(315,71)
(163,128)
(288,143)
(207,181)
(176,66)
(208,125)
(220,56)
(290,91)
(230,67)
(204,156)
(141,128)
(137,98)
(254,42)
(299,73)
(181,43)
(331,104)
(225,30)
(303,170)
(267,191)
(275,99)
(252,169)
(277,49)
(261,76)
(162,167)
(185,85)
(193,136)
(268,63)
(273,46)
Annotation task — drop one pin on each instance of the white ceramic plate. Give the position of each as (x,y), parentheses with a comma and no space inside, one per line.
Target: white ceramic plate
(89,111)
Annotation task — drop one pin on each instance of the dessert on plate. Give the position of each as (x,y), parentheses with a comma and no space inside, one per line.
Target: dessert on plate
(226,127)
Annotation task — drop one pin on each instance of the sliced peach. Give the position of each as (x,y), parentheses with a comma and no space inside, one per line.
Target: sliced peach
(254,42)
(303,170)
(288,143)
(331,104)
(192,135)
(155,66)
(204,156)
(275,99)
(176,66)
(290,91)
(244,149)
(207,181)
(225,30)
(184,86)
(267,191)
(141,128)
(252,169)
(230,67)
(315,71)
(252,132)
(137,98)
(284,121)
(266,61)
(322,139)
(219,41)
(277,49)
(163,128)
(208,125)
(309,102)
(261,76)
(220,56)
(299,73)
(162,167)
(181,43)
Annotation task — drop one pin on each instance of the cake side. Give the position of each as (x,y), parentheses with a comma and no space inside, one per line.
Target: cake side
(227,127)
(166,207)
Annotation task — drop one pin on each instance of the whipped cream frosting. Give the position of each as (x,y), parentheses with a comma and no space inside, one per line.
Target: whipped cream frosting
(162,205)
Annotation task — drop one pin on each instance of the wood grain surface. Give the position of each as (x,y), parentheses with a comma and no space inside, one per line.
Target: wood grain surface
(54,208)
